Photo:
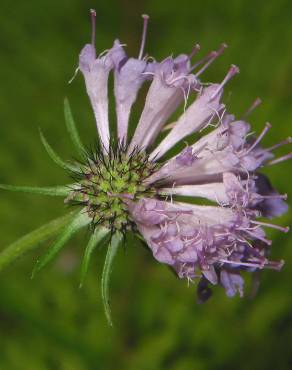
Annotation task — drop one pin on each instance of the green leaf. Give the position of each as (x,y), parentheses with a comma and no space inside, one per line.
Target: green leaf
(71,127)
(32,240)
(107,268)
(54,156)
(79,221)
(98,235)
(54,191)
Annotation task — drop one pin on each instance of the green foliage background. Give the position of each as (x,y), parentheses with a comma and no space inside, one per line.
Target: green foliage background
(48,323)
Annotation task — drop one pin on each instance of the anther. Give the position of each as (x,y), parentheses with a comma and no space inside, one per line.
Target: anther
(93,26)
(233,70)
(144,34)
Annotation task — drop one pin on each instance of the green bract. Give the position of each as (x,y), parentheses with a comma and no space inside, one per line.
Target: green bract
(94,189)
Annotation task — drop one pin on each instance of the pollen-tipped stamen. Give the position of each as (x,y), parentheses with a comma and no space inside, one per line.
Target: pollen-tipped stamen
(274,265)
(194,51)
(259,139)
(144,34)
(213,56)
(208,59)
(275,196)
(278,145)
(233,70)
(254,235)
(93,26)
(272,226)
(281,159)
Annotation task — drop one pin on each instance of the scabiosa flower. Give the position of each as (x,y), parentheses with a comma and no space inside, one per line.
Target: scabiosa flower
(133,184)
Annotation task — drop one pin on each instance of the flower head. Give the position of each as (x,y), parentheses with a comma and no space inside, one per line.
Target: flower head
(134,184)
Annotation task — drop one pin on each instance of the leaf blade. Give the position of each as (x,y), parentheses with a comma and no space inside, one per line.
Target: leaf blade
(111,253)
(72,129)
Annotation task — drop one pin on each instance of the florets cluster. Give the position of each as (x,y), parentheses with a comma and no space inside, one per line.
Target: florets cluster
(107,181)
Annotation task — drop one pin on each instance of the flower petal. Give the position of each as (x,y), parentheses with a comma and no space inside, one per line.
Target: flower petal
(213,191)
(170,80)
(197,115)
(232,282)
(129,77)
(96,72)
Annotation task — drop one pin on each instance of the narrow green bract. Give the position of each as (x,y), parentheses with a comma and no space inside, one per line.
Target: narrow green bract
(97,237)
(71,127)
(53,155)
(79,221)
(32,240)
(54,191)
(107,269)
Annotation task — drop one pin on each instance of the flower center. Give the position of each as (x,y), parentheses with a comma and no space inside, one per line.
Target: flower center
(105,182)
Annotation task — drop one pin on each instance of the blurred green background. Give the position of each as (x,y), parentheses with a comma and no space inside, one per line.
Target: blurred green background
(48,323)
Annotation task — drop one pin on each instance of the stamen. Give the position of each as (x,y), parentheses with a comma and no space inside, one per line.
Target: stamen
(93,26)
(281,159)
(74,75)
(210,59)
(194,51)
(274,265)
(212,56)
(267,241)
(281,143)
(272,226)
(260,137)
(233,70)
(201,61)
(208,56)
(275,196)
(254,105)
(248,264)
(144,34)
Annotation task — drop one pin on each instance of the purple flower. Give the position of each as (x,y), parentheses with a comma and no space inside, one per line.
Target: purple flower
(198,204)
(213,243)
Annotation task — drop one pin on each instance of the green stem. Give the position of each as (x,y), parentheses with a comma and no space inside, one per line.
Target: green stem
(32,240)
